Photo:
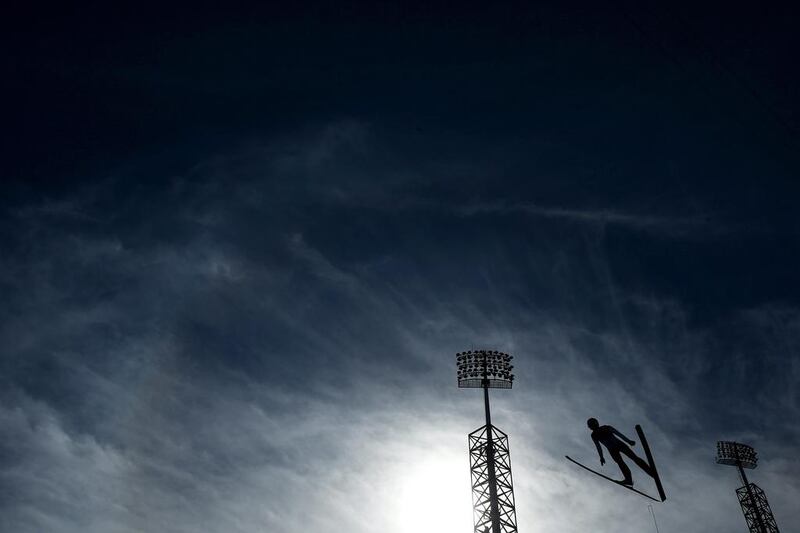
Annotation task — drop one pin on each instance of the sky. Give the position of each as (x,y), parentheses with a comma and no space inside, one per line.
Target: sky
(241,245)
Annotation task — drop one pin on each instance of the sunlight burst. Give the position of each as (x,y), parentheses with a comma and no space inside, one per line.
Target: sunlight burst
(434,496)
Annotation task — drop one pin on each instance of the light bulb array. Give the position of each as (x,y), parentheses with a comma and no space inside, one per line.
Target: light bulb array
(736,453)
(484,368)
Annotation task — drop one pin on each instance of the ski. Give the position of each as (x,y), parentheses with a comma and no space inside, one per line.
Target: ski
(612,480)
(652,463)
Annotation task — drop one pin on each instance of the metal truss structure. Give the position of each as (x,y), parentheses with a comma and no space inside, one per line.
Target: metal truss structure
(492,487)
(755,507)
(489,460)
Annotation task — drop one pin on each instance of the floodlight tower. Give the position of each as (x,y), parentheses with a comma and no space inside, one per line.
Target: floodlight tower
(752,499)
(489,458)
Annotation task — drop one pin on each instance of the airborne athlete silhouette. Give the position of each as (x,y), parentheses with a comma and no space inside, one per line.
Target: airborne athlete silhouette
(618,445)
(609,437)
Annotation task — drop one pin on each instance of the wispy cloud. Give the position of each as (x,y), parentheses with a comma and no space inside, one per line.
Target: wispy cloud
(241,361)
(600,217)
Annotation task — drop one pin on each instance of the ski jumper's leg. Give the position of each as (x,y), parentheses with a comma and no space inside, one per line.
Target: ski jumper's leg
(641,463)
(626,472)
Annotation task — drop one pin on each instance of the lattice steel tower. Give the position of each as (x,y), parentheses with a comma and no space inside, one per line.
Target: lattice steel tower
(489,458)
(754,502)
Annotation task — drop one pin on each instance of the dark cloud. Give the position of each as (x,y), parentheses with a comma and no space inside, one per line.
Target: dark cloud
(232,293)
(248,341)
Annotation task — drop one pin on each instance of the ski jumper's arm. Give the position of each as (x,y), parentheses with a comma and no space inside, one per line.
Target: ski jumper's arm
(599,450)
(623,437)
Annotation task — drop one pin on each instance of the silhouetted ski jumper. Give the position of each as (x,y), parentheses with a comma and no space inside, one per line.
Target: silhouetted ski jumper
(610,438)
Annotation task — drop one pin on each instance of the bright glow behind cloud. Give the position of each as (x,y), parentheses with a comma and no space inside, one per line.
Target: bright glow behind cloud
(433,494)
(276,352)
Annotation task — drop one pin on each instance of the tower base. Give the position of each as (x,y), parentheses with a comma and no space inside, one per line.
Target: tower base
(479,464)
(753,509)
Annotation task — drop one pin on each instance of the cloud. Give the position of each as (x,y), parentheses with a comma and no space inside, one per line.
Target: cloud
(599,217)
(243,349)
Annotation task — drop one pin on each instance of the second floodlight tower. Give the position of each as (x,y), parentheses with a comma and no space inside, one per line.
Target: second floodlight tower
(752,499)
(489,457)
